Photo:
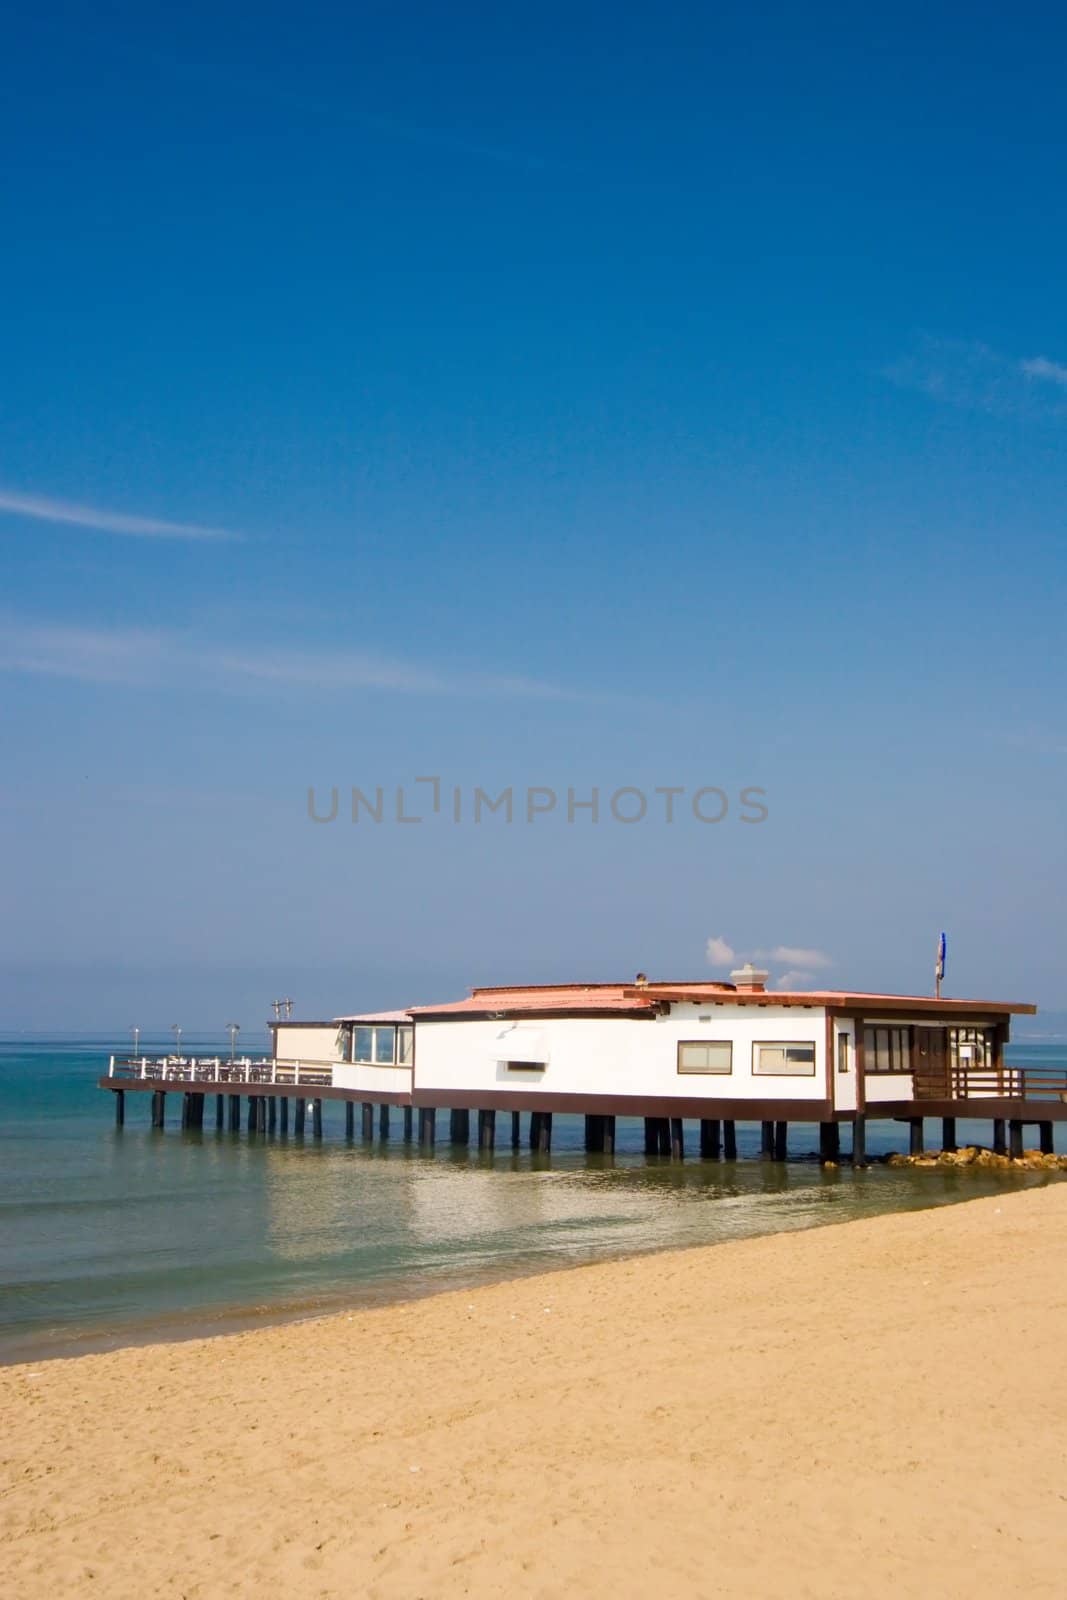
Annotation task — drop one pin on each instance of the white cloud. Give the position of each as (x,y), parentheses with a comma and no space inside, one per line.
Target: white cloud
(44,509)
(718,952)
(1042,367)
(794,980)
(141,658)
(796,956)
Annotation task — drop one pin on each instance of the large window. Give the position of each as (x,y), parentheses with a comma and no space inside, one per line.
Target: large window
(971,1047)
(887,1050)
(705,1055)
(405,1041)
(792,1059)
(376,1046)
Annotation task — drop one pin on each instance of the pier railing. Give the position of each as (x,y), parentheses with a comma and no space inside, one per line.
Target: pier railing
(993,1083)
(222,1069)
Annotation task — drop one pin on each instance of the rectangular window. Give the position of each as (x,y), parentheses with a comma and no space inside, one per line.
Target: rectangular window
(795,1059)
(705,1055)
(374,1046)
(887,1049)
(384,1046)
(842,1052)
(971,1047)
(363,1040)
(525,1066)
(405,1040)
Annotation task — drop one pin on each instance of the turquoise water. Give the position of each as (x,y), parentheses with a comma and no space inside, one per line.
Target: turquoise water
(111,1236)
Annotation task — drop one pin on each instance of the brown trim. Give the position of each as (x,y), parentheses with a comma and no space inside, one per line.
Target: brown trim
(277,1091)
(845,1004)
(626,1105)
(831,1060)
(703,1072)
(860,1058)
(639,1013)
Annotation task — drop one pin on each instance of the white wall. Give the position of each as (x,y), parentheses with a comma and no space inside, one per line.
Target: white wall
(879,1086)
(378,1080)
(298,1042)
(844,1083)
(624,1056)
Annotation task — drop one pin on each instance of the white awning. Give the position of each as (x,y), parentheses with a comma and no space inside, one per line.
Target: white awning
(519,1043)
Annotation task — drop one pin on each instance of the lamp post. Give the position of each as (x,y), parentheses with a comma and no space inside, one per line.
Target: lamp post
(177,1032)
(233,1029)
(136,1040)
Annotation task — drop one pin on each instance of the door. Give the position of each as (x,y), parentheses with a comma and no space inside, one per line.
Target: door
(930,1064)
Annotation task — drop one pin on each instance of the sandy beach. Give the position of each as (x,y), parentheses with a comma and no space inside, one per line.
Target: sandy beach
(871,1408)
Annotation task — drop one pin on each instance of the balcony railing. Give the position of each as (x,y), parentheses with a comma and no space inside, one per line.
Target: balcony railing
(991,1083)
(222,1069)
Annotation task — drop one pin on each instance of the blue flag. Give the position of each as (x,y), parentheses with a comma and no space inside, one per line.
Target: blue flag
(942,947)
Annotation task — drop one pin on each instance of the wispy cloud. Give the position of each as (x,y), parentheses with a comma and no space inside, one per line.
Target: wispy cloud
(797,956)
(718,952)
(45,509)
(149,658)
(975,377)
(794,980)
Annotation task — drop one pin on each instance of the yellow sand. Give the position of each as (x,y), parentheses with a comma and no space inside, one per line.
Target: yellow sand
(873,1409)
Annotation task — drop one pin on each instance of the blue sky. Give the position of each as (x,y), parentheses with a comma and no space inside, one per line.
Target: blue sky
(588,397)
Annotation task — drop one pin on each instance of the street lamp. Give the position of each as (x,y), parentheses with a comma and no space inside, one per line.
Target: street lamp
(136,1040)
(234,1029)
(177,1032)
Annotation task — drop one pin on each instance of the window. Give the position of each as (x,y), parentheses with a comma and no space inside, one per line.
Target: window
(887,1050)
(971,1047)
(785,1060)
(525,1066)
(405,1040)
(375,1046)
(843,1042)
(705,1055)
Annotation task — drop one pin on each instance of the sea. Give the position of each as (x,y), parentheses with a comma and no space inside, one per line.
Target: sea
(116,1236)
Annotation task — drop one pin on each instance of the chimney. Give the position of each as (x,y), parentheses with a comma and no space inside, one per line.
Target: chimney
(749,979)
(641,981)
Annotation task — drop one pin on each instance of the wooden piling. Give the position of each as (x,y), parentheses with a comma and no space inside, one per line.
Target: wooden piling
(486,1130)
(383,1121)
(859,1141)
(594,1134)
(651,1137)
(367,1120)
(316,1119)
(350,1119)
(781,1141)
(710,1139)
(829,1142)
(459,1127)
(1000,1136)
(1015,1137)
(677,1134)
(185,1112)
(1045,1141)
(608,1141)
(915,1136)
(427,1126)
(544,1133)
(220,1111)
(516,1130)
(283,1113)
(250,1121)
(729,1141)
(120,1107)
(159,1108)
(948,1133)
(407,1124)
(299,1114)
(766,1148)
(272,1113)
(235,1113)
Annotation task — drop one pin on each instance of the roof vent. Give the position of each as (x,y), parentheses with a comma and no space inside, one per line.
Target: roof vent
(641,981)
(749,979)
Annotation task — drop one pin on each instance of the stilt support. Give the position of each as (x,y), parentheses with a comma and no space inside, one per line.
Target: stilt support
(729,1141)
(316,1119)
(235,1112)
(407,1124)
(427,1126)
(1015,1137)
(766,1144)
(459,1127)
(120,1107)
(300,1106)
(677,1139)
(367,1120)
(948,1133)
(350,1119)
(829,1142)
(608,1143)
(1000,1136)
(283,1114)
(272,1112)
(710,1139)
(1044,1130)
(859,1141)
(541,1132)
(486,1130)
(915,1136)
(383,1122)
(781,1141)
(159,1104)
(516,1130)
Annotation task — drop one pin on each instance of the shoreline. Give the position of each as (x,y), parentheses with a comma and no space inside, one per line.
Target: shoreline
(867,1398)
(203,1324)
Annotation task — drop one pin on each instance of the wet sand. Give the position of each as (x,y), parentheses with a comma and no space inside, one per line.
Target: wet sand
(873,1408)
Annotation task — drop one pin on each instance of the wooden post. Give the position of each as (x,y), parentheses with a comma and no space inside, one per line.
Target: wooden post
(516,1129)
(427,1125)
(220,1110)
(201,1102)
(651,1137)
(859,1140)
(781,1141)
(594,1134)
(251,1120)
(159,1107)
(608,1143)
(235,1113)
(383,1121)
(1015,1137)
(283,1114)
(829,1141)
(766,1148)
(663,1130)
(486,1130)
(915,1136)
(316,1119)
(366,1120)
(729,1141)
(1000,1136)
(185,1111)
(350,1119)
(120,1107)
(948,1133)
(677,1139)
(407,1124)
(299,1113)
(1047,1146)
(459,1127)
(710,1139)
(544,1137)
(272,1113)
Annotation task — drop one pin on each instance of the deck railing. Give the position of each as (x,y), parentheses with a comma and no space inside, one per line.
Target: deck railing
(991,1083)
(221,1069)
